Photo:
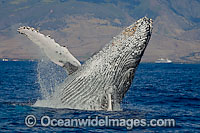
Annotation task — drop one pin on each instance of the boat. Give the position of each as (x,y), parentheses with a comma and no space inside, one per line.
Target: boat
(4,59)
(162,60)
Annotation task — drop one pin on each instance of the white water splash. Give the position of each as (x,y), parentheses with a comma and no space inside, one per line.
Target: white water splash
(50,77)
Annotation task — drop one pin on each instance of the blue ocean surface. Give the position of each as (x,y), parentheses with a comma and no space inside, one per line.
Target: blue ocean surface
(159,91)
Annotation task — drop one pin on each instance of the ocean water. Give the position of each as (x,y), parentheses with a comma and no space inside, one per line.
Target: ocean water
(158,91)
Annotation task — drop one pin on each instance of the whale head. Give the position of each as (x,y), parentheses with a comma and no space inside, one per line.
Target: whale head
(103,80)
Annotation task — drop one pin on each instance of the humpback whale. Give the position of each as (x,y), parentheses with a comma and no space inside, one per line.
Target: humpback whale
(102,81)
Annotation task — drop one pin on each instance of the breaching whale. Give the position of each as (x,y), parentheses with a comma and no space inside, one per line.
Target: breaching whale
(102,81)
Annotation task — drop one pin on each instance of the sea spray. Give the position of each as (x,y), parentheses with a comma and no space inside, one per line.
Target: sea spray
(50,76)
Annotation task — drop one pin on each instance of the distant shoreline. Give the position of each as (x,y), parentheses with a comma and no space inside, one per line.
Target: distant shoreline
(143,62)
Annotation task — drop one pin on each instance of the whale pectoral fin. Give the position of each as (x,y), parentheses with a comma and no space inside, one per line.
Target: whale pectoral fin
(110,105)
(107,101)
(58,54)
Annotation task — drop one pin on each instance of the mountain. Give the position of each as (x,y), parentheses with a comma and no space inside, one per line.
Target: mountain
(85,26)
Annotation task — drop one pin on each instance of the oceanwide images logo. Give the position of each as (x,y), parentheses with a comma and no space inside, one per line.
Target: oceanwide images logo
(97,121)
